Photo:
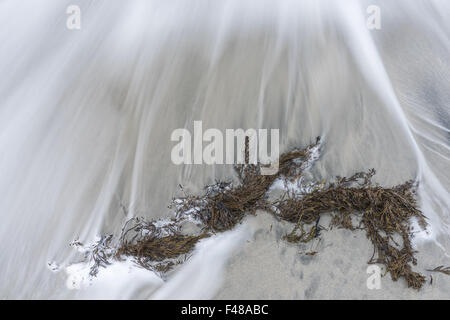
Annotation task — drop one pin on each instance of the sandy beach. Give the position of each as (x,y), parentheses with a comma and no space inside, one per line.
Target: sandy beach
(266,267)
(88,116)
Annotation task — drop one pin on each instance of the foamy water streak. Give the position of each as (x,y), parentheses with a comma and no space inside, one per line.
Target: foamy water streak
(86,115)
(371,66)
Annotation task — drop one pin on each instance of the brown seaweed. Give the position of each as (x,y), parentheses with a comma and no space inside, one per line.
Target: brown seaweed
(441,269)
(384,213)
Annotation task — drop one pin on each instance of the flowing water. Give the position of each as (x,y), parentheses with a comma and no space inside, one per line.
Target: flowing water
(86,117)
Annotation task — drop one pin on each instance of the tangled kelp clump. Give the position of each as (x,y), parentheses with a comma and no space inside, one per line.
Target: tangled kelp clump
(153,245)
(224,205)
(384,213)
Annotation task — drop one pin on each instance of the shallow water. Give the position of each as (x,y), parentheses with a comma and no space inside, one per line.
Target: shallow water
(86,117)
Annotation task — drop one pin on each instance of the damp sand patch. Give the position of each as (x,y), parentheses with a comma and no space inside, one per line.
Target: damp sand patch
(385,214)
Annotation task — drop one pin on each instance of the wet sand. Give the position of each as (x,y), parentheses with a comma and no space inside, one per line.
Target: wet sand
(267,267)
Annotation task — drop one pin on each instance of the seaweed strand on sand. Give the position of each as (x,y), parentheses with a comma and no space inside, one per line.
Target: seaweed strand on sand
(441,269)
(384,214)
